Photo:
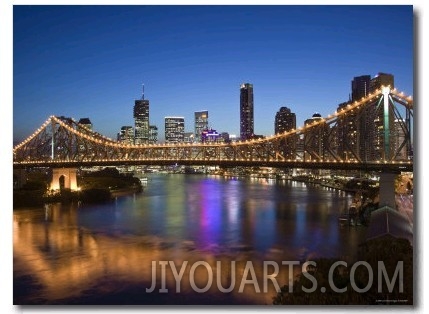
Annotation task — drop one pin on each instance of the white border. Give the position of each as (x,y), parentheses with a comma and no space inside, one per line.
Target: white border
(6,95)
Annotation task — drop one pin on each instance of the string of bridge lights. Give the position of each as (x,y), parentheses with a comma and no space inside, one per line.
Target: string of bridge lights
(206,159)
(101,139)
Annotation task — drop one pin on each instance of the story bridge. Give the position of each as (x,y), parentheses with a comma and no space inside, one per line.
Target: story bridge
(333,142)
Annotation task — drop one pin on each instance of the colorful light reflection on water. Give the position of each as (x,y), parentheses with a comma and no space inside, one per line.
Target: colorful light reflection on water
(102,254)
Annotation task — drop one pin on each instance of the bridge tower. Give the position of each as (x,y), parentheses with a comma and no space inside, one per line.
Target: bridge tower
(386,126)
(64,178)
(387,178)
(387,189)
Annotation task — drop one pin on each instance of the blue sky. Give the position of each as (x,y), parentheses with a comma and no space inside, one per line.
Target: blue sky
(91,61)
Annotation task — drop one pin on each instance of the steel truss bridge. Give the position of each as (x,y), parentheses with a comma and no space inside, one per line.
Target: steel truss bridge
(62,142)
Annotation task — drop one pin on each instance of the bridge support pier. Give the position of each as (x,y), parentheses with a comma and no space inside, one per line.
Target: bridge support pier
(387,189)
(64,178)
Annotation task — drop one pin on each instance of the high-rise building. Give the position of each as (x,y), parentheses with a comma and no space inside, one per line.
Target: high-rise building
(174,129)
(399,140)
(285,120)
(225,137)
(211,135)
(66,120)
(382,79)
(246,111)
(153,134)
(126,135)
(300,147)
(347,135)
(313,139)
(141,121)
(201,124)
(189,137)
(360,86)
(85,122)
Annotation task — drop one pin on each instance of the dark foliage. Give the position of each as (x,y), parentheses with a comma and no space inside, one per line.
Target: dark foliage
(95,195)
(388,251)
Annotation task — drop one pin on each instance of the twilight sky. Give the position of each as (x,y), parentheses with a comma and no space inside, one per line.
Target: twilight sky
(91,61)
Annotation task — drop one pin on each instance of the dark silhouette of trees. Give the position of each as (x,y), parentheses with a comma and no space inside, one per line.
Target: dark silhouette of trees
(357,287)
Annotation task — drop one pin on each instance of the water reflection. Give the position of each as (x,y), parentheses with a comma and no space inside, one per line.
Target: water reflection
(103,253)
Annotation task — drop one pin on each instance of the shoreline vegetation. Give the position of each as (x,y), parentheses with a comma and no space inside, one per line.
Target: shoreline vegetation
(95,187)
(363,286)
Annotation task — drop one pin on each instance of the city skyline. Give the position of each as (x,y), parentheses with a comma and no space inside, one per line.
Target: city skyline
(195,75)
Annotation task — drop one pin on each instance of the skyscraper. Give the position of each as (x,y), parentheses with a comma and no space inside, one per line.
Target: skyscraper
(285,120)
(85,122)
(153,134)
(313,139)
(141,120)
(347,136)
(201,124)
(360,87)
(246,111)
(225,136)
(188,137)
(174,129)
(398,140)
(126,135)
(382,79)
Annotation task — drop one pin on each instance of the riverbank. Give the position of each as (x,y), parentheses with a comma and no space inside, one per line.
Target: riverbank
(126,191)
(367,190)
(65,196)
(94,187)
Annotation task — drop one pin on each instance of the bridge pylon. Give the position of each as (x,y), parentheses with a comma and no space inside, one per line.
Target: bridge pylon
(64,178)
(387,188)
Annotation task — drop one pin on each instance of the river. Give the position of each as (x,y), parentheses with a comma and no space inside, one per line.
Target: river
(213,227)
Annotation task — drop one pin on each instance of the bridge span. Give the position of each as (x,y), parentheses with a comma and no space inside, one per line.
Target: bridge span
(339,141)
